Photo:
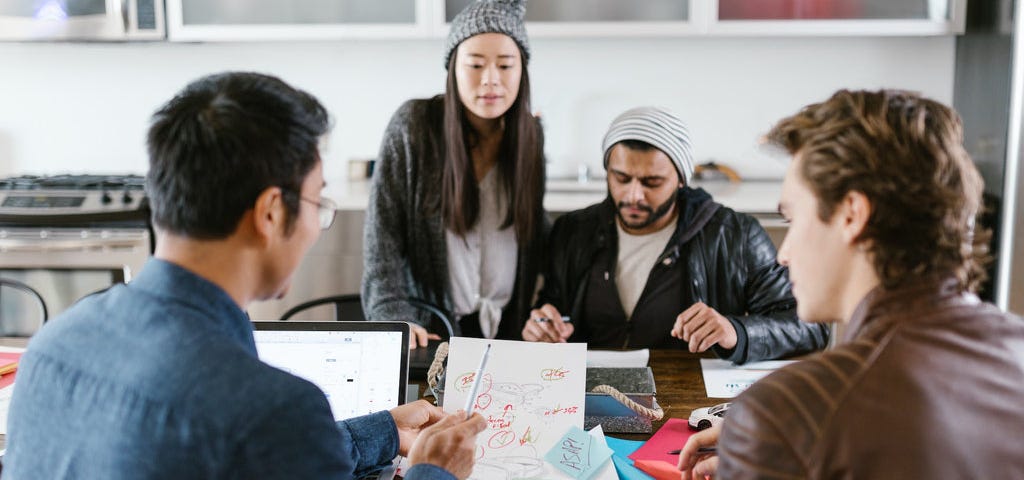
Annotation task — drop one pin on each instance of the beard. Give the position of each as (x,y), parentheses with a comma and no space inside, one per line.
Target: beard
(653,213)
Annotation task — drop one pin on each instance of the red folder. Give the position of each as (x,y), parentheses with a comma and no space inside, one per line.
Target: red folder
(671,436)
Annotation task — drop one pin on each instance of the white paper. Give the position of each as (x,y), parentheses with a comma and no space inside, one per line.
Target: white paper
(530,394)
(618,359)
(5,406)
(722,379)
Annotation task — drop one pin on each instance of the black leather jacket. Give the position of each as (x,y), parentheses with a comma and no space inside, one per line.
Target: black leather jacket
(731,266)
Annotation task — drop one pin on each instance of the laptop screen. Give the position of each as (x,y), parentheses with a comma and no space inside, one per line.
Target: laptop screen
(362,367)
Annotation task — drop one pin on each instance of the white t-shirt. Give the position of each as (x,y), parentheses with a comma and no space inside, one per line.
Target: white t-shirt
(482,265)
(637,257)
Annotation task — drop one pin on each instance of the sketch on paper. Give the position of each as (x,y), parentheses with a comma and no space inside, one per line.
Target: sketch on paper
(530,394)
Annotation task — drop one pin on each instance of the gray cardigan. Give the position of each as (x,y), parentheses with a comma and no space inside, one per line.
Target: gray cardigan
(404,251)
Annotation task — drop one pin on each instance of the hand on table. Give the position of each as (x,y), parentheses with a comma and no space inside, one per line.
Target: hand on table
(419,336)
(450,443)
(702,326)
(696,465)
(545,325)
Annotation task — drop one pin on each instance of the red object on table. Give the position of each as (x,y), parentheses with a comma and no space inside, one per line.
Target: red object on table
(671,436)
(7,358)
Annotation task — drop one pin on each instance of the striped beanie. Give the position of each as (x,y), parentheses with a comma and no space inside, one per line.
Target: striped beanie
(658,127)
(489,16)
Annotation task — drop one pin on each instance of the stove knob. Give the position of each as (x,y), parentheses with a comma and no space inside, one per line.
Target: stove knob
(105,199)
(126,198)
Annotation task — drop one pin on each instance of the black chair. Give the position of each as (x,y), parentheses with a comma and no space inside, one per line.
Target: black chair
(22,290)
(342,304)
(352,303)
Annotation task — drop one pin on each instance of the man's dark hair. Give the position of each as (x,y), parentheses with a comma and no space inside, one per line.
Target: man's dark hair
(222,141)
(637,145)
(905,153)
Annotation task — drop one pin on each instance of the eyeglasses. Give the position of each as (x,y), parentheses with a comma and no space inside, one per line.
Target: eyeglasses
(326,210)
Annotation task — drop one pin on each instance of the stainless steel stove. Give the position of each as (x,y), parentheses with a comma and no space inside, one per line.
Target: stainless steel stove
(68,236)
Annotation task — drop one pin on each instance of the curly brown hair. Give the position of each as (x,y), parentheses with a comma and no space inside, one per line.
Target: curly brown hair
(905,153)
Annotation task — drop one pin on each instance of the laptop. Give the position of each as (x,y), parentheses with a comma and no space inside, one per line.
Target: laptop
(362,367)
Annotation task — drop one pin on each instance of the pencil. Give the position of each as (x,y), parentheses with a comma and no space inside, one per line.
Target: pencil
(471,399)
(699,450)
(10,368)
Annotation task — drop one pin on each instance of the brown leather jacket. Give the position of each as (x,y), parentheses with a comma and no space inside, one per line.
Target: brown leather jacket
(928,383)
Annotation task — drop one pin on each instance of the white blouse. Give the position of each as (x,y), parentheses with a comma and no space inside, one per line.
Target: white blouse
(482,265)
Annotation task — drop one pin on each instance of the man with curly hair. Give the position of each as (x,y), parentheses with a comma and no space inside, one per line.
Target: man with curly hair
(927,380)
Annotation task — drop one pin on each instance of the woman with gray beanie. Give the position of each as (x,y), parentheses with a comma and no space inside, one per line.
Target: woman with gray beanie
(455,216)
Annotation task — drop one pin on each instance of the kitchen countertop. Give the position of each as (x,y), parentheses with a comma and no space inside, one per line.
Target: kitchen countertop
(758,197)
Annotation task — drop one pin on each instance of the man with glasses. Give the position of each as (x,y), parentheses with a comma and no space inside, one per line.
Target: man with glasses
(159,378)
(326,211)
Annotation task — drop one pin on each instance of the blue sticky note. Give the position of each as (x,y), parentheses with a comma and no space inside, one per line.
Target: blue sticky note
(623,448)
(577,454)
(626,471)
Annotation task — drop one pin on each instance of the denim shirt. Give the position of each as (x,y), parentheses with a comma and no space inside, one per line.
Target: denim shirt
(160,379)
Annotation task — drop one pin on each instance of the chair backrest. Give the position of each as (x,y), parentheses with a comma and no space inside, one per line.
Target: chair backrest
(346,307)
(351,304)
(18,303)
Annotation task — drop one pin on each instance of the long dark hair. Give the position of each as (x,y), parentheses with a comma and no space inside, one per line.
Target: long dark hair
(520,162)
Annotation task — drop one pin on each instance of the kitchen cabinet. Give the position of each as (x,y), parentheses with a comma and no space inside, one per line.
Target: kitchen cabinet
(567,18)
(837,17)
(231,20)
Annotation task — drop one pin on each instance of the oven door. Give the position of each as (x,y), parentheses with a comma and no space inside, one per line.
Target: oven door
(63,266)
(82,20)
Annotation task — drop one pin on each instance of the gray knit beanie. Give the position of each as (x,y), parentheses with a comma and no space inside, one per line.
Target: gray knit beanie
(489,16)
(658,127)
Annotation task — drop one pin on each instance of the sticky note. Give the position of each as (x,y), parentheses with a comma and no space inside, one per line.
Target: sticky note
(658,469)
(626,471)
(577,454)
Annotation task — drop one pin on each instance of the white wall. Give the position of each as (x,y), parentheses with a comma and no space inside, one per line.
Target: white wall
(85,107)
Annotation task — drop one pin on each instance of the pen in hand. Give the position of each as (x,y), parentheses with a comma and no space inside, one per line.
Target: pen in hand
(699,450)
(471,399)
(565,319)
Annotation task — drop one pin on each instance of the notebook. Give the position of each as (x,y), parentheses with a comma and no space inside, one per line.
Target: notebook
(362,367)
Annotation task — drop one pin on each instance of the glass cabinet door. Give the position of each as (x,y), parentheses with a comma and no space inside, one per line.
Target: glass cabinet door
(593,10)
(838,17)
(294,19)
(832,9)
(296,12)
(598,16)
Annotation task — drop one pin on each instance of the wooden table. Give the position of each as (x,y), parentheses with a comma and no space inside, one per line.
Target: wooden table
(680,387)
(678,381)
(677,377)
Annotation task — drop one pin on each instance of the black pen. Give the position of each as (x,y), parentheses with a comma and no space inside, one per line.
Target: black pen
(699,450)
(565,319)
